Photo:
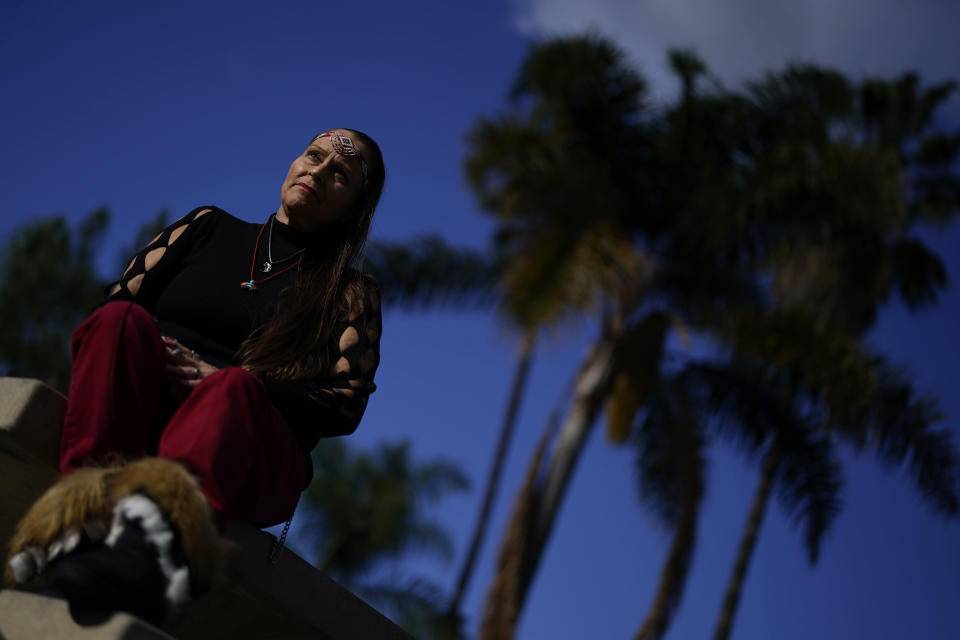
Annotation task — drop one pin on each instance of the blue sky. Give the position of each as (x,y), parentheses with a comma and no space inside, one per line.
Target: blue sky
(147,106)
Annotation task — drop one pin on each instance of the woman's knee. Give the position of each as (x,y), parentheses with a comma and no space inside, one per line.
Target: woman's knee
(236,383)
(233,377)
(120,313)
(114,320)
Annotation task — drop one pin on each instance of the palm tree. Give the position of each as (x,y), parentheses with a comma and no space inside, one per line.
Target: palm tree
(727,208)
(543,283)
(365,508)
(821,389)
(503,602)
(763,414)
(809,201)
(564,174)
(849,172)
(49,283)
(597,219)
(755,412)
(368,505)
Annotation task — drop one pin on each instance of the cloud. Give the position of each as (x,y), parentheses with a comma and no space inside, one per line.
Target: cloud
(742,38)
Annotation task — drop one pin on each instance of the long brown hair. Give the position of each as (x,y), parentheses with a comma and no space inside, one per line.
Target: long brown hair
(295,344)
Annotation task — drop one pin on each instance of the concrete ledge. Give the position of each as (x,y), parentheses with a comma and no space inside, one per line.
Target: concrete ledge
(31,415)
(290,599)
(23,405)
(25,616)
(22,480)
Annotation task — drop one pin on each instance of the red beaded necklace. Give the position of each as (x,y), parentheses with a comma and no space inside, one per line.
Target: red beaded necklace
(251,284)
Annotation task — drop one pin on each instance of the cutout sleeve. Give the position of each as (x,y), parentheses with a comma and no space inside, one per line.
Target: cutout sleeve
(333,405)
(149,270)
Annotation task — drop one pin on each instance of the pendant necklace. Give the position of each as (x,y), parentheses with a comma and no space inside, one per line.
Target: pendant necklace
(251,284)
(268,265)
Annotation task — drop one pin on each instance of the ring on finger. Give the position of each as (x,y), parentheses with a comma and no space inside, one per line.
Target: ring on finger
(196,373)
(194,355)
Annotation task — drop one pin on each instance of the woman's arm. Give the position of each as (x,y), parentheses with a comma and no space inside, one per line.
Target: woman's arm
(333,404)
(149,270)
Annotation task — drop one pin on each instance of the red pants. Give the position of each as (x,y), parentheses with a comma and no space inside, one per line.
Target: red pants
(226,431)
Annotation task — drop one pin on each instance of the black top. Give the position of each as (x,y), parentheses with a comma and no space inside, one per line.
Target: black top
(189,277)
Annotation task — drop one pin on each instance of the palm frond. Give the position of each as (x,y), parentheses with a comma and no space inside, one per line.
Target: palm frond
(669,443)
(430,272)
(921,273)
(671,474)
(809,482)
(901,428)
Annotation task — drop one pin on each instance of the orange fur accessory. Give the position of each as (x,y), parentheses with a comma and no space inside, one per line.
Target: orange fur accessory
(84,501)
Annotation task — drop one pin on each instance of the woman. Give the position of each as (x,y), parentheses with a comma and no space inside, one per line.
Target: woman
(224,353)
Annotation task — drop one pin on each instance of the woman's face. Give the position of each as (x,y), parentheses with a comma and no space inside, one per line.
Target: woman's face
(323,184)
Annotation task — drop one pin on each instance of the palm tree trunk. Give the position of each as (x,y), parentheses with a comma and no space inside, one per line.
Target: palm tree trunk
(747,543)
(531,521)
(673,576)
(501,608)
(591,388)
(507,427)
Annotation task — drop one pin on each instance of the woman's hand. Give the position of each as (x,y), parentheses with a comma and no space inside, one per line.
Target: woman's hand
(184,367)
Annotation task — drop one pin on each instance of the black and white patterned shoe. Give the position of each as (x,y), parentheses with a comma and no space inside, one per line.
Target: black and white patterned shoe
(133,569)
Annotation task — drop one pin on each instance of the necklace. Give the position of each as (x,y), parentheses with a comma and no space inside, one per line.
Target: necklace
(251,284)
(268,265)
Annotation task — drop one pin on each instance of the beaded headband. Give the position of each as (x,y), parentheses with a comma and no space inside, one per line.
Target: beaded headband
(345,146)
